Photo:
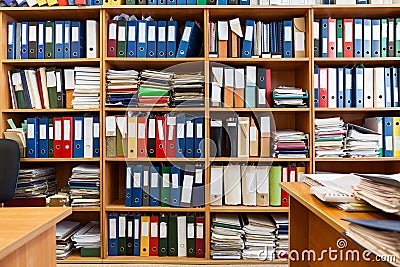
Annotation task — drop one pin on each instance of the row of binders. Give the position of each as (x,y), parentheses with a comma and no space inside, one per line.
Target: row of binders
(251,87)
(356,87)
(165,186)
(63,137)
(24,3)
(53,39)
(49,88)
(236,184)
(241,137)
(281,39)
(356,38)
(147,38)
(156,235)
(161,136)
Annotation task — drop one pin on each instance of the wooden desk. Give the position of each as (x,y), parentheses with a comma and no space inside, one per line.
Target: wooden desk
(314,225)
(28,236)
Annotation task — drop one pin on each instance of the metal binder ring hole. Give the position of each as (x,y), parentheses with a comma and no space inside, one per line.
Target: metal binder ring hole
(9,49)
(58,49)
(172,250)
(315,48)
(136,200)
(174,201)
(58,147)
(75,53)
(141,150)
(162,54)
(41,50)
(262,78)
(165,199)
(162,249)
(112,245)
(262,196)
(189,151)
(180,150)
(348,47)
(111,48)
(151,53)
(358,52)
(154,249)
(171,146)
(388,123)
(332,48)
(48,54)
(78,146)
(144,249)
(96,151)
(367,52)
(24,50)
(151,150)
(323,97)
(141,49)
(128,195)
(376,52)
(198,150)
(136,245)
(340,97)
(191,250)
(121,249)
(246,52)
(181,52)
(91,49)
(129,245)
(384,48)
(131,53)
(160,146)
(42,151)
(315,100)
(121,52)
(369,97)
(171,53)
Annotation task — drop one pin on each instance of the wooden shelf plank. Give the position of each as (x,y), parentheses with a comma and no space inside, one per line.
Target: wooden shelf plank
(155,159)
(357,159)
(247,209)
(53,110)
(119,205)
(52,62)
(86,209)
(75,257)
(183,260)
(59,159)
(224,159)
(155,109)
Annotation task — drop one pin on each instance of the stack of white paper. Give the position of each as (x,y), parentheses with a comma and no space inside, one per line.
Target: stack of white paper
(64,245)
(87,88)
(226,236)
(88,236)
(361,142)
(282,235)
(85,186)
(329,137)
(260,236)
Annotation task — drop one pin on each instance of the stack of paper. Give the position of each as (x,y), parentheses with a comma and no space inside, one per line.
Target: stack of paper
(87,88)
(361,142)
(226,236)
(88,236)
(381,191)
(260,236)
(329,137)
(282,235)
(122,86)
(36,182)
(85,186)
(289,97)
(64,231)
(290,144)
(154,89)
(381,237)
(188,90)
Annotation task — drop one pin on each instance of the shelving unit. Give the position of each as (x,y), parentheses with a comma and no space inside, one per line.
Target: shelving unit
(291,71)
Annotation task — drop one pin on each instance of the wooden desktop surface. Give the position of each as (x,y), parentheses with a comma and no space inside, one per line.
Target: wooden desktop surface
(331,215)
(18,226)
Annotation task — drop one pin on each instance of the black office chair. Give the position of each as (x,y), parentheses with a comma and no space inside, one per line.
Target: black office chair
(9,168)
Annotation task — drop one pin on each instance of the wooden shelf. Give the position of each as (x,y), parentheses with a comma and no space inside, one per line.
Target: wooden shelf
(225,159)
(65,62)
(155,109)
(49,160)
(184,260)
(75,257)
(119,205)
(155,159)
(247,209)
(86,209)
(357,159)
(53,110)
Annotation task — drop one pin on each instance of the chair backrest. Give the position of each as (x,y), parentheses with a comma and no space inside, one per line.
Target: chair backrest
(9,168)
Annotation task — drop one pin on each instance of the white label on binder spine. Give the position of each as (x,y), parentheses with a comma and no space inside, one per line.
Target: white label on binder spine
(180,130)
(49,34)
(78,130)
(190,230)
(23,34)
(300,41)
(32,33)
(66,34)
(161,34)
(146,178)
(253,133)
(121,33)
(121,225)
(132,129)
(189,129)
(171,33)
(113,228)
(136,180)
(67,129)
(249,33)
(199,176)
(74,35)
(199,130)
(152,34)
(358,31)
(186,34)
(199,230)
(96,130)
(141,131)
(376,32)
(288,34)
(10,34)
(145,229)
(187,189)
(142,32)
(154,180)
(31,131)
(42,131)
(160,129)
(131,33)
(59,30)
(57,125)
(152,128)
(137,222)
(165,180)
(261,96)
(130,226)
(389,142)
(154,229)
(163,230)
(175,183)
(128,177)
(112,34)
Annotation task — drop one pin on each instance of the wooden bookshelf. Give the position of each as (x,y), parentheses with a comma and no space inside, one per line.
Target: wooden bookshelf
(285,71)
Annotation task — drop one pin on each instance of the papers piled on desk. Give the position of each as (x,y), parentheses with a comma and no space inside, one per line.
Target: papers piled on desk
(85,186)
(329,137)
(88,236)
(122,87)
(87,88)
(381,191)
(36,182)
(290,144)
(282,235)
(361,142)
(381,237)
(259,231)
(289,97)
(188,90)
(226,236)
(154,88)
(64,231)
